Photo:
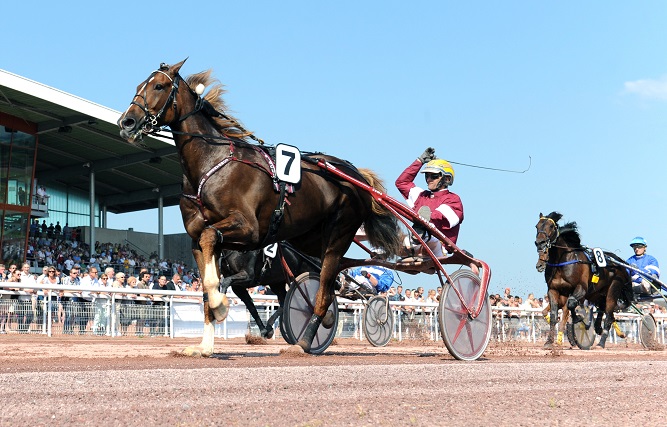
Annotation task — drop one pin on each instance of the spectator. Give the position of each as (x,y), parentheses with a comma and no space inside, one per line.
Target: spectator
(160,320)
(14,277)
(22,199)
(127,303)
(174,284)
(72,305)
(34,228)
(25,306)
(41,195)
(3,273)
(143,306)
(119,307)
(50,279)
(98,304)
(398,296)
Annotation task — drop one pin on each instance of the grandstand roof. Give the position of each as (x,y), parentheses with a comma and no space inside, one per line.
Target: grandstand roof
(76,134)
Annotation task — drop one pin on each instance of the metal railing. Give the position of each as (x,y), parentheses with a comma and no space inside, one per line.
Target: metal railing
(56,309)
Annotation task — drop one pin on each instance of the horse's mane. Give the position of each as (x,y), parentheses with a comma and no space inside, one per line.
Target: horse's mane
(227,125)
(570,233)
(555,216)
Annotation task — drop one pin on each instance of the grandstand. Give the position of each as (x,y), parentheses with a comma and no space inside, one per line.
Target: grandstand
(62,162)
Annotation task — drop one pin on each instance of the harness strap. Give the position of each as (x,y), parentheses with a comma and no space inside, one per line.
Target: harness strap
(270,170)
(561,264)
(276,216)
(286,270)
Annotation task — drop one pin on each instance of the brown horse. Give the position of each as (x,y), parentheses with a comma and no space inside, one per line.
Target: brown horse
(233,199)
(572,277)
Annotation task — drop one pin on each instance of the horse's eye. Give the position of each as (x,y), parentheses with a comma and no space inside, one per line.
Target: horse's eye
(158,86)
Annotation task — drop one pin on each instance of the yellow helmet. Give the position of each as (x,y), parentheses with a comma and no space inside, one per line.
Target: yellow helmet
(439,166)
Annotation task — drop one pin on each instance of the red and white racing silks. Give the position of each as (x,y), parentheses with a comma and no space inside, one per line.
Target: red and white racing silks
(446,207)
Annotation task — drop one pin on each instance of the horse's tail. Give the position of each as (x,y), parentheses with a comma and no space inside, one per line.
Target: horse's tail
(381,226)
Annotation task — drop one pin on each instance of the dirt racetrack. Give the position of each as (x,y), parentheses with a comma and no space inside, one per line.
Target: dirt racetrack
(133,381)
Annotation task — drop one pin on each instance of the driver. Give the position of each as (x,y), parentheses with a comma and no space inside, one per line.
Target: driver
(373,278)
(645,262)
(435,204)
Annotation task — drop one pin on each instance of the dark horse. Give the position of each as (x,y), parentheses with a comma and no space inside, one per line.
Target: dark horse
(233,199)
(572,276)
(243,270)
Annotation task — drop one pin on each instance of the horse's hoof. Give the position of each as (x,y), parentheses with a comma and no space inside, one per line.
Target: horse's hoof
(254,340)
(268,333)
(328,320)
(548,345)
(196,352)
(293,351)
(221,311)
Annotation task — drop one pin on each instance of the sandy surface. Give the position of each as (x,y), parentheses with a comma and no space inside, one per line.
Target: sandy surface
(98,381)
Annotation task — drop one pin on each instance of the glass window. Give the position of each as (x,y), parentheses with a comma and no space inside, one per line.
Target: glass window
(13,237)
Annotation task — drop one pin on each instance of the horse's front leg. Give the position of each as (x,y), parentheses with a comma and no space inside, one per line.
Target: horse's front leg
(215,300)
(553,321)
(205,348)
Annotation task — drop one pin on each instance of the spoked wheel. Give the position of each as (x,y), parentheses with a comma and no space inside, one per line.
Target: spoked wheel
(466,338)
(378,321)
(582,334)
(284,332)
(647,331)
(299,307)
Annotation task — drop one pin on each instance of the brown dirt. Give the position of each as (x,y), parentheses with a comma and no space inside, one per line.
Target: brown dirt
(133,381)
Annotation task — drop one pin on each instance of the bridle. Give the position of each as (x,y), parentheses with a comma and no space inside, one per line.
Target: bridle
(546,244)
(150,125)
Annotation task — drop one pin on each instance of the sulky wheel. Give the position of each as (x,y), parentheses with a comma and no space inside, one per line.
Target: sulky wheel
(582,334)
(284,332)
(378,321)
(466,338)
(647,331)
(299,304)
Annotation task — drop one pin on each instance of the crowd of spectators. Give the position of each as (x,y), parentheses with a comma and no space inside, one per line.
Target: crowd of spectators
(65,260)
(63,253)
(86,311)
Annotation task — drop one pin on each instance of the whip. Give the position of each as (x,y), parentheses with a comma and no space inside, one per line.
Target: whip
(495,169)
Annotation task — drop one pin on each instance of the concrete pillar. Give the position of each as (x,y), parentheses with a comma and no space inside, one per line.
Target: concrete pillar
(92,210)
(160,227)
(103,216)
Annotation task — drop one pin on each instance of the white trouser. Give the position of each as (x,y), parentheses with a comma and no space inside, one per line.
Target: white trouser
(434,244)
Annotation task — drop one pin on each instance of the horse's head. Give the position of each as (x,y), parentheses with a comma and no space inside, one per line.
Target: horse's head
(154,104)
(547,234)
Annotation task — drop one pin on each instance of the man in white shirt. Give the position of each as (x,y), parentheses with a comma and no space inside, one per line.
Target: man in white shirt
(26,306)
(98,304)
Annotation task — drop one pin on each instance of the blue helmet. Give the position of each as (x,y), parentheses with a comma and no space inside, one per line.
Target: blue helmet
(638,241)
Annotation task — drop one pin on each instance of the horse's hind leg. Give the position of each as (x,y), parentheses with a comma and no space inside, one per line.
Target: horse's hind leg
(608,320)
(561,327)
(242,293)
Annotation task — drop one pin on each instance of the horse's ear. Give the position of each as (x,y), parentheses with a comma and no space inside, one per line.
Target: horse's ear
(541,215)
(177,67)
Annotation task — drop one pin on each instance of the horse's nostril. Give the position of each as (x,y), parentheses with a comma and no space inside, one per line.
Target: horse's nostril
(128,123)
